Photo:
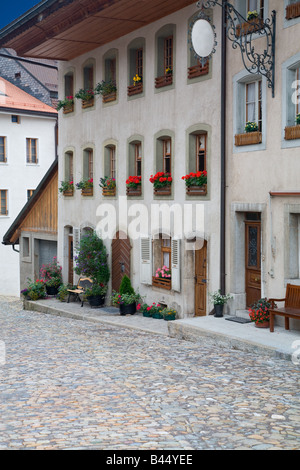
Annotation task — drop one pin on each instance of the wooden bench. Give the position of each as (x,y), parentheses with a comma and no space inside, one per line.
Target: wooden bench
(83,284)
(291,307)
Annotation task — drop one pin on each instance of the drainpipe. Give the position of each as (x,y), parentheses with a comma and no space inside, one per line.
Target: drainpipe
(223,152)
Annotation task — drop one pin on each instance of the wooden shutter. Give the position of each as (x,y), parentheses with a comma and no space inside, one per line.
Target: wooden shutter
(175,264)
(146,260)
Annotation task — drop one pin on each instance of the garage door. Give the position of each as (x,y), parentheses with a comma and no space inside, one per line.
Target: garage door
(47,250)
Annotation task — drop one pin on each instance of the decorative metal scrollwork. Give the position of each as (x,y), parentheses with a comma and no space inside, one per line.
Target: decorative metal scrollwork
(242,32)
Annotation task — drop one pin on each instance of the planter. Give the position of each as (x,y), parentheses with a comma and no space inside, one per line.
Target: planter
(51,290)
(164,191)
(109,97)
(88,103)
(68,108)
(96,300)
(292,11)
(147,314)
(165,80)
(133,191)
(157,315)
(170,317)
(135,89)
(161,282)
(248,138)
(292,132)
(198,70)
(218,310)
(68,192)
(127,309)
(248,27)
(108,192)
(265,324)
(196,190)
(87,191)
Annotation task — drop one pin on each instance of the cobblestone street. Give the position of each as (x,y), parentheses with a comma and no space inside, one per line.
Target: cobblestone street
(69,384)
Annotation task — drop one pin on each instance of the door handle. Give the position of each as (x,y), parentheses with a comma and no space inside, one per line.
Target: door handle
(204,280)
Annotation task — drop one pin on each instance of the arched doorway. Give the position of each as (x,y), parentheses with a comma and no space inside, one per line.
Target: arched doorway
(120,249)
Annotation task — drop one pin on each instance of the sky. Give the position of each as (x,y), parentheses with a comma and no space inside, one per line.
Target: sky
(9,11)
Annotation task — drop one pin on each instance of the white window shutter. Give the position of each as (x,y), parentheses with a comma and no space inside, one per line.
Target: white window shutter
(175,264)
(146,260)
(76,243)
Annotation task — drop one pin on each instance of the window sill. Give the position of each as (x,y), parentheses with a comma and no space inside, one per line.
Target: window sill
(248,138)
(292,11)
(161,282)
(292,132)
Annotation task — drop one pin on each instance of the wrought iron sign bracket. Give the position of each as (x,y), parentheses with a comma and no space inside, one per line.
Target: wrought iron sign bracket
(242,32)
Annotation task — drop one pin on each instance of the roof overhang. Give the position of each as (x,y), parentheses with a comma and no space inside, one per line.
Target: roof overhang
(62,30)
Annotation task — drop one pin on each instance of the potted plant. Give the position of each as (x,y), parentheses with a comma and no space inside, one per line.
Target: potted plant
(219,300)
(169,314)
(162,278)
(253,24)
(166,79)
(259,313)
(67,104)
(293,132)
(67,188)
(87,96)
(126,298)
(137,86)
(251,135)
(134,186)
(35,290)
(96,295)
(196,183)
(108,90)
(108,186)
(145,309)
(161,182)
(52,276)
(91,260)
(86,186)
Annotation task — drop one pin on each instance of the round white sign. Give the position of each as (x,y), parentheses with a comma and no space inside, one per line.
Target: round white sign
(203,38)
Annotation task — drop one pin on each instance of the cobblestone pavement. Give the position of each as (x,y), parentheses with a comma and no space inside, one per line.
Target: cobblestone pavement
(69,384)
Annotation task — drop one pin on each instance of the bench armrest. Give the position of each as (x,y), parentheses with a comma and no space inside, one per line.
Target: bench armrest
(272,301)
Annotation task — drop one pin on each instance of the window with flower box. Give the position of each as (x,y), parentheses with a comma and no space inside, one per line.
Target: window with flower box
(110,169)
(165,41)
(253,11)
(196,178)
(89,83)
(136,67)
(134,174)
(3,202)
(3,157)
(292,9)
(69,92)
(164,164)
(31,150)
(291,101)
(88,171)
(68,173)
(109,93)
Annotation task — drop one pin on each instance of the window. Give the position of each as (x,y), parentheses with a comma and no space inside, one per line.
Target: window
(243,6)
(3,202)
(69,166)
(166,252)
(31,150)
(167,156)
(110,65)
(197,158)
(25,247)
(88,77)
(290,101)
(136,67)
(15,119)
(164,157)
(138,159)
(165,56)
(110,161)
(88,163)
(29,193)
(253,103)
(2,149)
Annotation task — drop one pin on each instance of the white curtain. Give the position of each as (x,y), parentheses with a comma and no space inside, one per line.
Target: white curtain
(251,102)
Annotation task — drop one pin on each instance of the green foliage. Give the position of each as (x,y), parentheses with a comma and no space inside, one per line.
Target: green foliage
(92,259)
(35,290)
(126,287)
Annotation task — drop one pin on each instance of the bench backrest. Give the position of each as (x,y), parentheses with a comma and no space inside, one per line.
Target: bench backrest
(84,283)
(292,297)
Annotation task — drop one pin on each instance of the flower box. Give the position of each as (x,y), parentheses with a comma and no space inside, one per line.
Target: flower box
(135,89)
(109,97)
(198,70)
(133,191)
(87,191)
(68,192)
(108,191)
(248,27)
(196,190)
(292,132)
(292,11)
(88,103)
(248,138)
(68,108)
(165,80)
(164,191)
(161,282)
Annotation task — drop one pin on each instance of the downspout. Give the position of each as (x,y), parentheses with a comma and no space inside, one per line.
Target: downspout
(223,152)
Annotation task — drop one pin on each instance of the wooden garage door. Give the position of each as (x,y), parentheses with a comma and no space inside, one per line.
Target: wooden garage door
(120,260)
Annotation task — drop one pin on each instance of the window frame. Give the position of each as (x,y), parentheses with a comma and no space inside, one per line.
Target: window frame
(3,207)
(69,165)
(290,90)
(4,145)
(29,150)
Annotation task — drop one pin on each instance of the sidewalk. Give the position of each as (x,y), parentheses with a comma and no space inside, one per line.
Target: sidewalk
(209,329)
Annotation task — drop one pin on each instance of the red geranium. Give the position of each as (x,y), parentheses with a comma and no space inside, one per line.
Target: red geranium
(195,179)
(133,181)
(161,179)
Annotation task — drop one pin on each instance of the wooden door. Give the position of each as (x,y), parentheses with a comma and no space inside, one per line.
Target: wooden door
(120,260)
(252,262)
(200,280)
(70,260)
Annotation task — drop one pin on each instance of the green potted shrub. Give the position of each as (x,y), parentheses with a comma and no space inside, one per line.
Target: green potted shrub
(219,300)
(126,298)
(96,295)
